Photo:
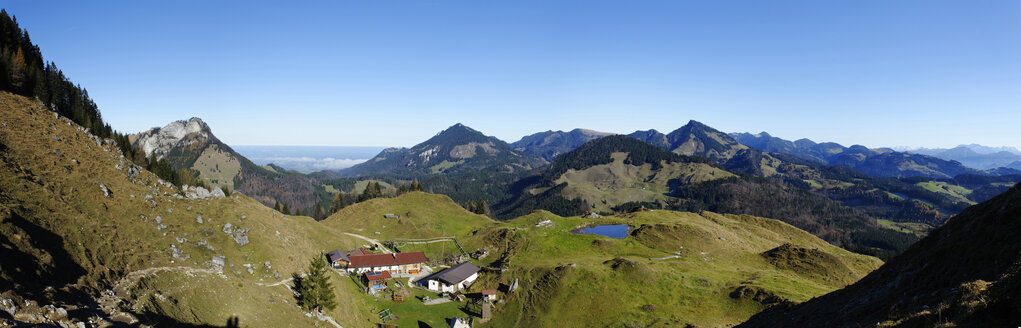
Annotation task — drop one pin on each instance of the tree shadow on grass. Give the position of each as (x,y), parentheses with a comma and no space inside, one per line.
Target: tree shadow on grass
(159,320)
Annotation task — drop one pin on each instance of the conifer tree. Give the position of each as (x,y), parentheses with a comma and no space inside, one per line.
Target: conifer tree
(276,206)
(319,213)
(286,209)
(482,208)
(315,288)
(338,203)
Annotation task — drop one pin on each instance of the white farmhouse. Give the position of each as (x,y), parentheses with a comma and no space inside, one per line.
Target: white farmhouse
(452,279)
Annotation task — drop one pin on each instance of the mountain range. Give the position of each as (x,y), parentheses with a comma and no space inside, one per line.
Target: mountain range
(514,179)
(87,237)
(97,230)
(977,156)
(883,162)
(548,145)
(454,150)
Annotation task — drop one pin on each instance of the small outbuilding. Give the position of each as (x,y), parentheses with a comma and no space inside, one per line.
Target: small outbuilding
(338,259)
(377,280)
(490,294)
(452,279)
(460,322)
(391,216)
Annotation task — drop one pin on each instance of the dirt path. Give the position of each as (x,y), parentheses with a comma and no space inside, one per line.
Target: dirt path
(278,283)
(110,300)
(373,241)
(428,242)
(334,322)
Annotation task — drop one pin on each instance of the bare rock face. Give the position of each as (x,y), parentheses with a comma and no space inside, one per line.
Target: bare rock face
(8,305)
(161,140)
(106,191)
(201,193)
(132,172)
(217,263)
(239,234)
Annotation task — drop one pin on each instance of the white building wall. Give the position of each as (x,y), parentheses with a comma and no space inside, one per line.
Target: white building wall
(468,281)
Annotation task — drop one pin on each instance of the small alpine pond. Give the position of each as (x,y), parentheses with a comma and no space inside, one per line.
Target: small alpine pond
(616,231)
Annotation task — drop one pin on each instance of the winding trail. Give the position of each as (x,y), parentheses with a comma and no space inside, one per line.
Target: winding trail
(373,241)
(109,301)
(278,283)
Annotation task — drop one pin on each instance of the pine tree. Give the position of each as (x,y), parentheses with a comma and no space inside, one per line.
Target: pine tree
(338,203)
(482,208)
(366,194)
(315,288)
(378,190)
(276,206)
(319,213)
(286,209)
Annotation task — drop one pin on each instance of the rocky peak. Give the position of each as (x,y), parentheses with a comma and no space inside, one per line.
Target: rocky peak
(160,140)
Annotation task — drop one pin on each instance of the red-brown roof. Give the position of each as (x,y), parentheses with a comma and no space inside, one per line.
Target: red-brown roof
(373,276)
(359,252)
(489,292)
(378,260)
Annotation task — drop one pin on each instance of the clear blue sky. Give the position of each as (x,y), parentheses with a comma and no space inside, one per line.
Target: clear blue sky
(393,73)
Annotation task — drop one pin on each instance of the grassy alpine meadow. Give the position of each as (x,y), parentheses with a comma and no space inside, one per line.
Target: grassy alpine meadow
(713,272)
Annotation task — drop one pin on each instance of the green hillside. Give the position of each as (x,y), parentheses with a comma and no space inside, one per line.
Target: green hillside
(606,186)
(59,229)
(720,276)
(720,256)
(422,215)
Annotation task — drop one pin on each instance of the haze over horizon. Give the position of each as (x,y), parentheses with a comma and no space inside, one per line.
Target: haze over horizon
(932,74)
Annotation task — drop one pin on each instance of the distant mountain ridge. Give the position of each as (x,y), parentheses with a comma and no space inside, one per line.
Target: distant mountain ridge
(698,139)
(455,149)
(981,149)
(974,155)
(882,162)
(693,139)
(549,144)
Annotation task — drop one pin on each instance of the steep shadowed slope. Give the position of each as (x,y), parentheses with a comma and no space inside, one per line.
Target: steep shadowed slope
(964,274)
